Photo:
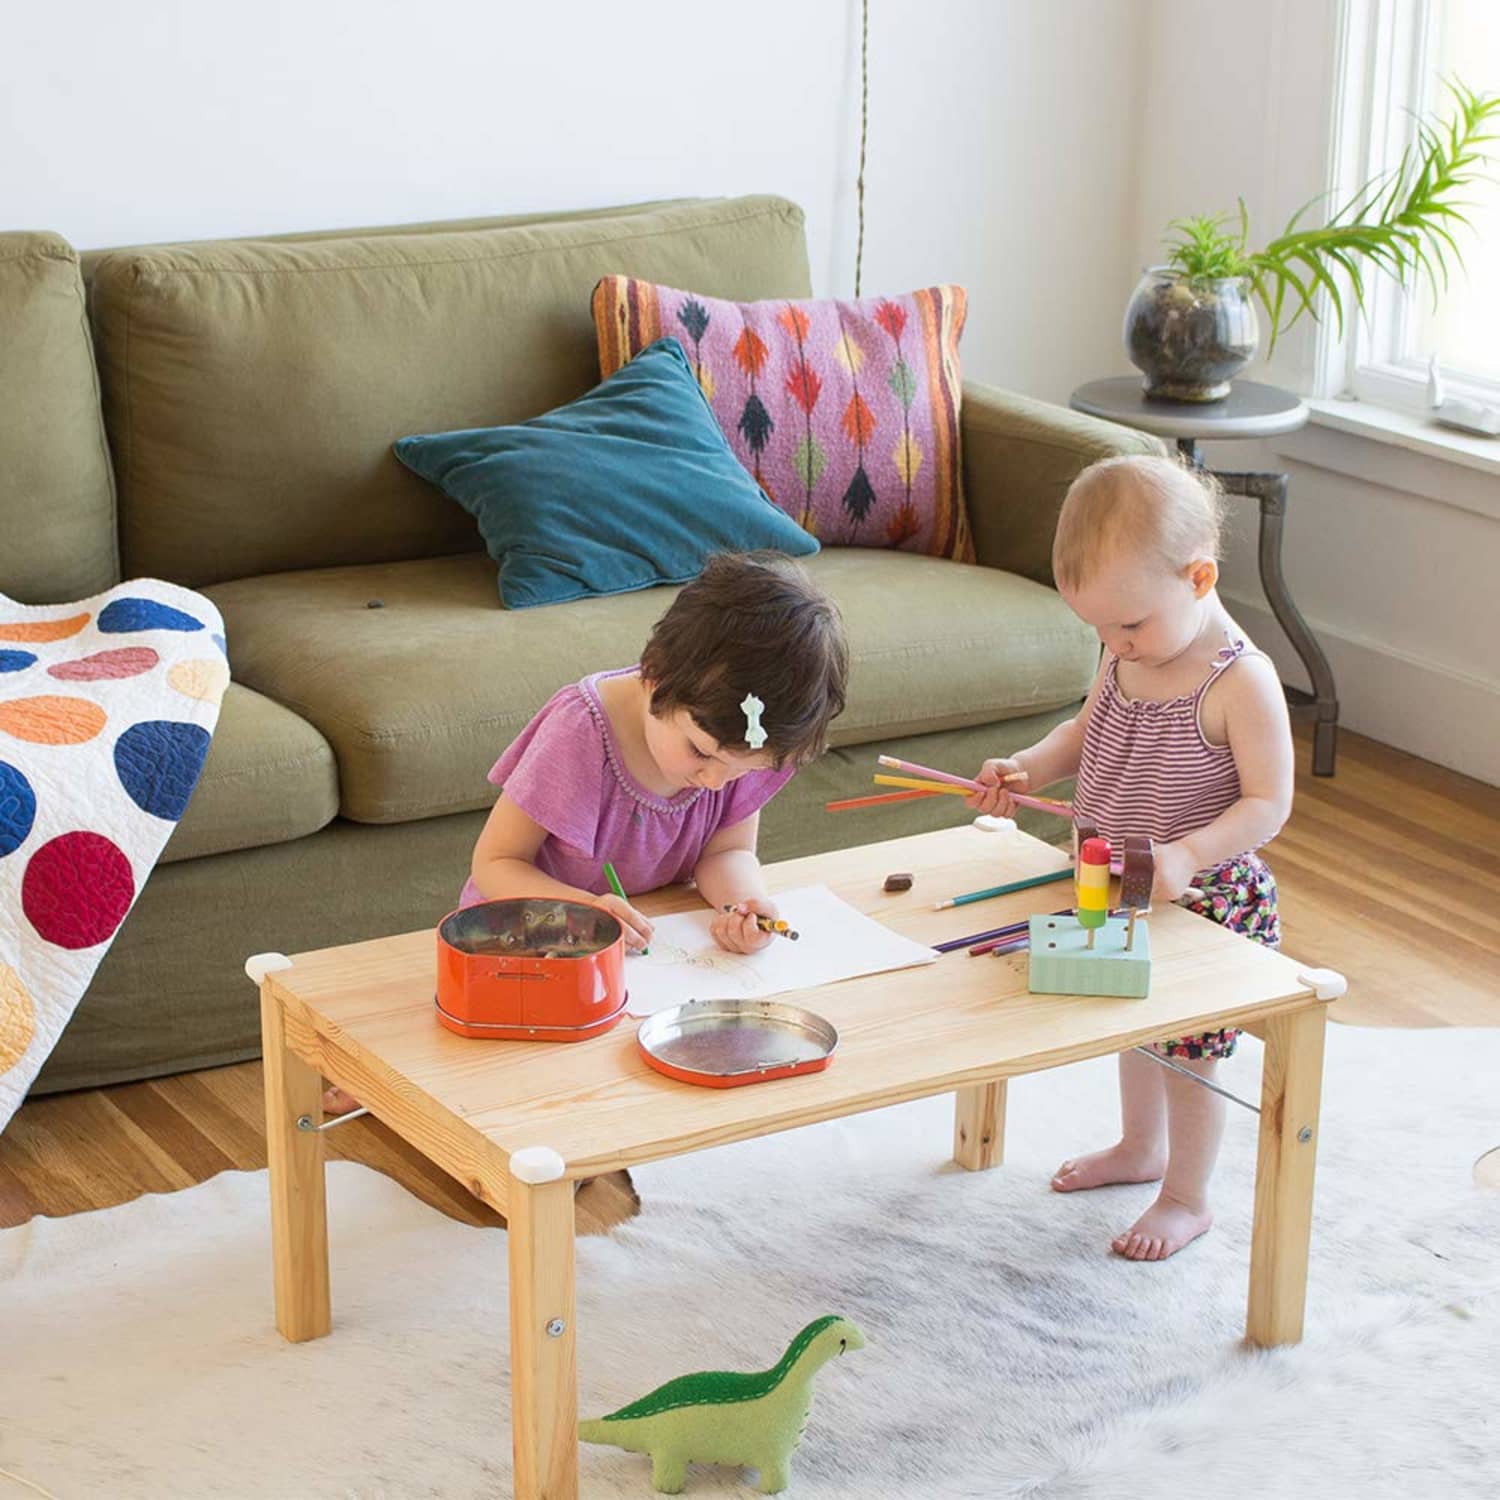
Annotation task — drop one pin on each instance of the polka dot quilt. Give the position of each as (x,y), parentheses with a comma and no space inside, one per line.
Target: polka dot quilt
(106,711)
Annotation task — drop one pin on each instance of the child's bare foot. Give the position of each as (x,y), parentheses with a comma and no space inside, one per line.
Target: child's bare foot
(1120,1163)
(337,1102)
(1162,1230)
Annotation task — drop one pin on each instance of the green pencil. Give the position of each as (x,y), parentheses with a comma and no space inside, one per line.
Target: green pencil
(1006,890)
(616,887)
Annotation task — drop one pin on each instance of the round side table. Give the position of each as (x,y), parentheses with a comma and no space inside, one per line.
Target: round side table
(1250,410)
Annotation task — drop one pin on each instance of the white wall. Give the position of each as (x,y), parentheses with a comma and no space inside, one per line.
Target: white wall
(191,118)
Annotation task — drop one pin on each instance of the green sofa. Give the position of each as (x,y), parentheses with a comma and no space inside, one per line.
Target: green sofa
(220,414)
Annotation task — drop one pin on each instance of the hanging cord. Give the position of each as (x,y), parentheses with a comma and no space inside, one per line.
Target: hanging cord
(864,126)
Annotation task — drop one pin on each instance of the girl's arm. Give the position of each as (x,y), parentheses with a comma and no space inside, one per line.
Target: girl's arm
(1259,733)
(729,874)
(502,868)
(1053,757)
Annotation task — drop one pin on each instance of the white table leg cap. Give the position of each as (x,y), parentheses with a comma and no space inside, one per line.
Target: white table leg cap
(536,1164)
(258,965)
(989,823)
(1326,984)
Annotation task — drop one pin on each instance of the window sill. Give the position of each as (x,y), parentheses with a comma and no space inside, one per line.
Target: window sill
(1399,451)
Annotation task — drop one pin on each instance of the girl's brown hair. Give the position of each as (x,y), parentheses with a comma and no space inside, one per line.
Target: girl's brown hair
(1136,503)
(752,623)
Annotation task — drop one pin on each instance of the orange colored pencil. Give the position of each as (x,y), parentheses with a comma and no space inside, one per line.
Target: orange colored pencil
(880,797)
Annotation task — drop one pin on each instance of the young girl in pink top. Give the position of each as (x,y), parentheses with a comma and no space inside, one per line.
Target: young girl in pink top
(662,768)
(1183,738)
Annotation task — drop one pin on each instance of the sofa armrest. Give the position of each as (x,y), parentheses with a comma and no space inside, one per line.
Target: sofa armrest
(1019,457)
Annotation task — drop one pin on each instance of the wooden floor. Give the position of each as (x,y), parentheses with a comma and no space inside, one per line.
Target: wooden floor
(1387,872)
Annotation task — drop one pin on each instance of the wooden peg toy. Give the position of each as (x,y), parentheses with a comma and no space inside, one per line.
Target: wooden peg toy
(1091,952)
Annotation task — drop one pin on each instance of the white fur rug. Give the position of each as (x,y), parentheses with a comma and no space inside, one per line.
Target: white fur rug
(1009,1354)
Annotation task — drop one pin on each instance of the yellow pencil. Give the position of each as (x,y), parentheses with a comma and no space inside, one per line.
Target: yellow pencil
(925,786)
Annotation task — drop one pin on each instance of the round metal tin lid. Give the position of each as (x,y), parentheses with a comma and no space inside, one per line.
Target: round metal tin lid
(733,1038)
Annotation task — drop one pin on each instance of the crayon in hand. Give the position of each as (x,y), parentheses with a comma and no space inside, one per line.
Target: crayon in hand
(773,925)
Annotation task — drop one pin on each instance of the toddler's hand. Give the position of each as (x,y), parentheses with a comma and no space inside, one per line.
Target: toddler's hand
(637,924)
(996,798)
(736,929)
(1175,868)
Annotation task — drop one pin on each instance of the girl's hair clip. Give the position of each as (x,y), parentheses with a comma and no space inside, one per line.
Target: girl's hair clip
(755,733)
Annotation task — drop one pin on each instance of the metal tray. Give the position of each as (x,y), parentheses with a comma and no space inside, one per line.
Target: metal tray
(721,1044)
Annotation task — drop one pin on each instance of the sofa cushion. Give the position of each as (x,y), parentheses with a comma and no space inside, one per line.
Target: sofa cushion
(419,680)
(846,413)
(253,389)
(269,777)
(57,504)
(629,486)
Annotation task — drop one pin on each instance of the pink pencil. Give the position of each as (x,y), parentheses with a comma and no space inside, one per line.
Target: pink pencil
(1041,804)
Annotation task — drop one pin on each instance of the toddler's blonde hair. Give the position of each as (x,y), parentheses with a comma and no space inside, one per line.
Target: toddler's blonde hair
(1138,503)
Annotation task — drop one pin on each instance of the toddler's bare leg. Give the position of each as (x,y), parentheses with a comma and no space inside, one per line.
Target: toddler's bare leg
(1141,1152)
(1195,1125)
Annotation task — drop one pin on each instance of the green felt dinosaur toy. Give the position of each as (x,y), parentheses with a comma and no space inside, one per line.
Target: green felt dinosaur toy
(720,1417)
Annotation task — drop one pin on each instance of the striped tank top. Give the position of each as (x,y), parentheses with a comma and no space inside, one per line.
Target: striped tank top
(1146,768)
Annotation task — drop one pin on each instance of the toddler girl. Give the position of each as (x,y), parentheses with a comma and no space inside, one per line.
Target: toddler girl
(1184,738)
(661,769)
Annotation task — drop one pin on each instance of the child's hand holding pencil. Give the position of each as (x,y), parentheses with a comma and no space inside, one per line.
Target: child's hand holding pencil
(747,926)
(998,778)
(637,924)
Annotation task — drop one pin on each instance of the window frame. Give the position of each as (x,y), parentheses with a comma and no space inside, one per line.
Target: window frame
(1386,81)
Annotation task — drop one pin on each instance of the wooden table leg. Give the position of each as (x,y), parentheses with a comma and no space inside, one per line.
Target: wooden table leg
(543,1366)
(299,1205)
(1290,1094)
(979,1126)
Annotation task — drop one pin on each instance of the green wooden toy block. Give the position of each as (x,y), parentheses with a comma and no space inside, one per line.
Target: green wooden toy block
(1063,964)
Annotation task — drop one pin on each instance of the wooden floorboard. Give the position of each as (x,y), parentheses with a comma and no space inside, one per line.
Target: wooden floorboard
(1387,872)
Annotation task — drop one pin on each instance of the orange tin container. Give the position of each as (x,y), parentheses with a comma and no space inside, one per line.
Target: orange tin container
(533,969)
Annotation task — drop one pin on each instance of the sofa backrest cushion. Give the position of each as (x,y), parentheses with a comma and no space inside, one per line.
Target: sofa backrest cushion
(252,389)
(57,503)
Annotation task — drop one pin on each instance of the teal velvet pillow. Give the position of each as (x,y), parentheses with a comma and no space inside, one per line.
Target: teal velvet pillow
(629,486)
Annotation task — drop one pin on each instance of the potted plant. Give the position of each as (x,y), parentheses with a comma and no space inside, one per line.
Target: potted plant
(1191,325)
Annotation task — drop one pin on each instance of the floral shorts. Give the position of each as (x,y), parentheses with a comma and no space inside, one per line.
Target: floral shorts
(1239,895)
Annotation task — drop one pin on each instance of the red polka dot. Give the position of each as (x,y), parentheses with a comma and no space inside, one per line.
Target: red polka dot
(128,661)
(77,889)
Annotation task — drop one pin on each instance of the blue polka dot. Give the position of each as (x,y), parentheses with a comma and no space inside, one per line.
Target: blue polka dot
(143,614)
(16,661)
(17,809)
(158,761)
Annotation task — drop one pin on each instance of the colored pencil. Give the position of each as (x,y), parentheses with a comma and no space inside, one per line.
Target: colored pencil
(1005,890)
(849,803)
(999,933)
(1013,946)
(1024,799)
(913,769)
(931,787)
(617,888)
(935,788)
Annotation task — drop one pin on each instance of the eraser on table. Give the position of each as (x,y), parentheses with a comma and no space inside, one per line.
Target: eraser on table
(990,823)
(899,882)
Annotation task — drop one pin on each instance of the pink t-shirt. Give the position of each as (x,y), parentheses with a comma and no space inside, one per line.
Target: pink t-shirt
(565,772)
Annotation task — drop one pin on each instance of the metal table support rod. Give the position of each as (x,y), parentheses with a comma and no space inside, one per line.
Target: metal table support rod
(1188,1073)
(304,1122)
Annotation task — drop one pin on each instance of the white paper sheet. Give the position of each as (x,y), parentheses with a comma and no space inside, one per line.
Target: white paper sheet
(836,942)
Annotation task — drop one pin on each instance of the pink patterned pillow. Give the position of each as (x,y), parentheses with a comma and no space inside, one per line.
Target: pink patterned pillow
(846,413)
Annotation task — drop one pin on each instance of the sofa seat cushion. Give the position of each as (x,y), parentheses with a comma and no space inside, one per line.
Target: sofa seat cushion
(419,679)
(269,777)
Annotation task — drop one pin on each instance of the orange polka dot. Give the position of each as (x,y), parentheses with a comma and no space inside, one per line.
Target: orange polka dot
(52,720)
(43,630)
(17,1018)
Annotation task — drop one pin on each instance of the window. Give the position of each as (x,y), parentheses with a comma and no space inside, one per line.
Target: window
(1396,54)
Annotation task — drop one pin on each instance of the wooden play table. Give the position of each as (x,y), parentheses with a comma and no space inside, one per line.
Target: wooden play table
(519,1122)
